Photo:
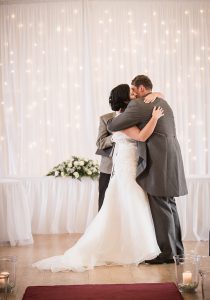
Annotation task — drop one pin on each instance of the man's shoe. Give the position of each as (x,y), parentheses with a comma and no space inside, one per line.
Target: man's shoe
(158,261)
(169,261)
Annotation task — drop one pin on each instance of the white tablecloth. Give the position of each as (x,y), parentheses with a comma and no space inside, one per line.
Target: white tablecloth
(194,210)
(15,217)
(58,205)
(45,205)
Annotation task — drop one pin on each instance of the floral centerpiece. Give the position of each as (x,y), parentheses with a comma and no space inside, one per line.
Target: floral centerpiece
(77,167)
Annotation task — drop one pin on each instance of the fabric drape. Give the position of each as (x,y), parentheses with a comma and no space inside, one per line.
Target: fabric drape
(60,59)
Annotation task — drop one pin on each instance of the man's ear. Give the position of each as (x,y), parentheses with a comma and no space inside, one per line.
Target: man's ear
(142,88)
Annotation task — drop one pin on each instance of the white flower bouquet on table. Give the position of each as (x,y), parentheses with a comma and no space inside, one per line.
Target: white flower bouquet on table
(77,167)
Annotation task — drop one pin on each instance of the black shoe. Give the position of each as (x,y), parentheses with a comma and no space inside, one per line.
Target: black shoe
(169,261)
(158,261)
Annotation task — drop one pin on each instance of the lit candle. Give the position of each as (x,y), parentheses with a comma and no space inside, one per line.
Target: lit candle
(4,276)
(2,280)
(187,277)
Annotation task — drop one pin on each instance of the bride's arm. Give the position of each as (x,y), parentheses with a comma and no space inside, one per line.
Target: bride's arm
(143,134)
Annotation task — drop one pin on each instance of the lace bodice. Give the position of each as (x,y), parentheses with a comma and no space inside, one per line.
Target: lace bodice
(120,137)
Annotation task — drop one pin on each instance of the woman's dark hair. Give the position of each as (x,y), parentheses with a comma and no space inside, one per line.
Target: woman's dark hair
(119,97)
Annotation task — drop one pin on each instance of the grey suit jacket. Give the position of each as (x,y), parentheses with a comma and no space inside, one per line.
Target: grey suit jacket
(105,144)
(160,170)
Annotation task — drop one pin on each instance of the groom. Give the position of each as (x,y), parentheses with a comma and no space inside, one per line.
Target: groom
(160,169)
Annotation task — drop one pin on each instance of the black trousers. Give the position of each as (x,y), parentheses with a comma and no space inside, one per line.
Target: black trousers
(103,184)
(167,226)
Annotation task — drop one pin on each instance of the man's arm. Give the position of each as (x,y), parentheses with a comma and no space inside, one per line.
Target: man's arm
(104,137)
(136,113)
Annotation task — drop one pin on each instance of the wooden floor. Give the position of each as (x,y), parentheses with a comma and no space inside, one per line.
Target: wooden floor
(49,245)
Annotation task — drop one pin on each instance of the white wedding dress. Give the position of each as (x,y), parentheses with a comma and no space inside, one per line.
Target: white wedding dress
(122,232)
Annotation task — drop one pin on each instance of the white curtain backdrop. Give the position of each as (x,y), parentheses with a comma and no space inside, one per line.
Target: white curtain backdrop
(60,59)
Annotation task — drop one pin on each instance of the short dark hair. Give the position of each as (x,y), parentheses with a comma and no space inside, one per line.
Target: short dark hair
(142,80)
(119,97)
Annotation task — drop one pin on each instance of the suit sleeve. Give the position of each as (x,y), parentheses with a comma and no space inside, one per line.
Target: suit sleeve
(104,137)
(136,113)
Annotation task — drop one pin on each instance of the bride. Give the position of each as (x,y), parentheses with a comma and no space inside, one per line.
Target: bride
(123,231)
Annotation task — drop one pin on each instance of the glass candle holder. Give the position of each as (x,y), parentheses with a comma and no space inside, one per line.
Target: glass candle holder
(8,268)
(204,270)
(187,272)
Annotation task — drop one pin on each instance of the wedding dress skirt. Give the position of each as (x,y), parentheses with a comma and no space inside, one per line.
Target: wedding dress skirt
(122,232)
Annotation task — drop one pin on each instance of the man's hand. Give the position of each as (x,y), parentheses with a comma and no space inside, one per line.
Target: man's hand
(151,97)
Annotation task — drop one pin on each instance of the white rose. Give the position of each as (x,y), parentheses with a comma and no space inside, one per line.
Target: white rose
(76,174)
(81,163)
(62,174)
(56,173)
(69,164)
(76,163)
(89,172)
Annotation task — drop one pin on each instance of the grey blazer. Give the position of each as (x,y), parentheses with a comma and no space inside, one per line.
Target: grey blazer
(105,144)
(160,170)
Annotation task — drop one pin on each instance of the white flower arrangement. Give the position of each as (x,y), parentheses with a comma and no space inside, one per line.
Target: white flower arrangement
(76,168)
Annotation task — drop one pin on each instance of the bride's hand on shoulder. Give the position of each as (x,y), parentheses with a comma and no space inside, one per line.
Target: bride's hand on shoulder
(157,112)
(151,97)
